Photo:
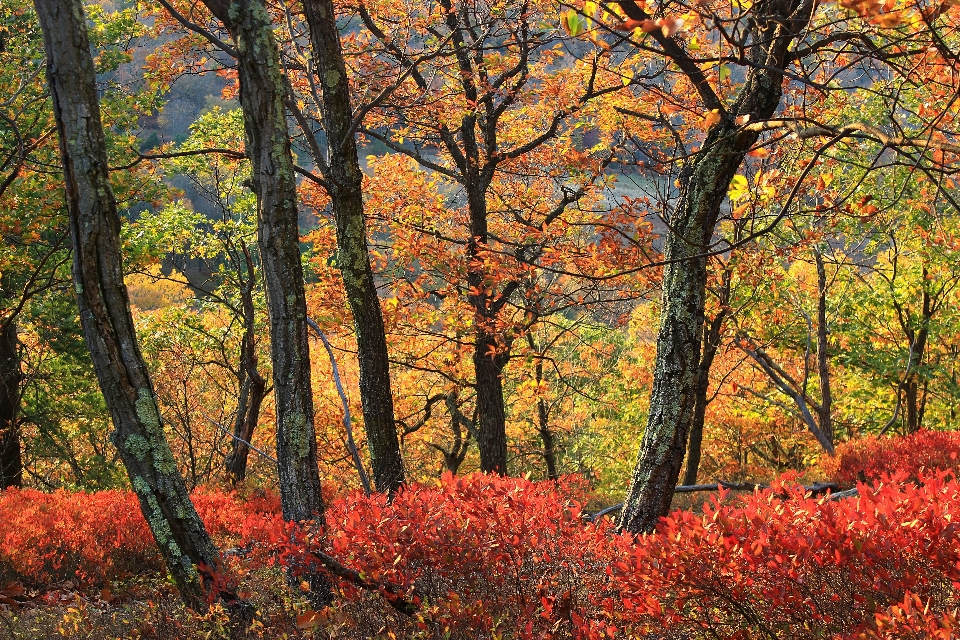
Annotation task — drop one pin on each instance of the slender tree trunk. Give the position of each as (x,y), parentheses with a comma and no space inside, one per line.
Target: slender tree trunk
(262,97)
(704,181)
(823,351)
(138,434)
(543,416)
(549,449)
(253,387)
(11,462)
(711,345)
(345,188)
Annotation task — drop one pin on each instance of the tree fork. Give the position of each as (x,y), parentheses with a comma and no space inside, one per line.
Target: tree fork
(704,182)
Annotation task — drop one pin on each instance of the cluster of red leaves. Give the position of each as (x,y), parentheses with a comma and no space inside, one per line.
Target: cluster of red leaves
(89,537)
(93,538)
(478,554)
(870,458)
(485,556)
(782,564)
(505,556)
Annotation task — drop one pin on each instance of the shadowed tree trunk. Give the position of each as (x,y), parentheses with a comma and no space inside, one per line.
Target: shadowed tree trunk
(704,181)
(344,180)
(262,97)
(11,462)
(253,387)
(184,544)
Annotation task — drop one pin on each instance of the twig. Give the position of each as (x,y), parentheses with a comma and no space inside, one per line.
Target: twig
(364,481)
(392,593)
(239,439)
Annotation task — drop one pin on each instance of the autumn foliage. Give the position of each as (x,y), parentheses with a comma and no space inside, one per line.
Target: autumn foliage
(514,558)
(872,457)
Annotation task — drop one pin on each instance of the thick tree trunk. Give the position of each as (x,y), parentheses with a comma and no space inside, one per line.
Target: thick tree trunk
(345,188)
(704,182)
(107,323)
(491,410)
(262,97)
(11,462)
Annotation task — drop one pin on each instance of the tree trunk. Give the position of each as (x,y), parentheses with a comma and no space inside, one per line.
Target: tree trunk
(491,411)
(704,182)
(711,345)
(823,351)
(345,179)
(262,97)
(253,387)
(543,416)
(184,544)
(11,462)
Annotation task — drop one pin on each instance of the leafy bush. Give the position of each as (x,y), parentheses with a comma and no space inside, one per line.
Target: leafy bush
(876,456)
(94,538)
(484,556)
(794,566)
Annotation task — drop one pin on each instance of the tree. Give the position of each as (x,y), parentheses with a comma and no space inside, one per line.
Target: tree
(344,184)
(736,72)
(184,543)
(484,101)
(262,97)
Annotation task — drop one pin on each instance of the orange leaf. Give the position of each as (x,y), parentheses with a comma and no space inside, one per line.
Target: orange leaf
(309,619)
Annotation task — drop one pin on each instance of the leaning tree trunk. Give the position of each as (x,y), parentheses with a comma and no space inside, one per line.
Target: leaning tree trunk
(262,93)
(184,544)
(11,462)
(345,186)
(704,182)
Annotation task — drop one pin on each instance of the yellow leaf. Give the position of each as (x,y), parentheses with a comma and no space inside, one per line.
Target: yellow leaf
(711,118)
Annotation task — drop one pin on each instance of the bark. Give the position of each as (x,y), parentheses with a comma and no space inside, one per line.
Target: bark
(491,410)
(253,387)
(11,462)
(825,410)
(344,179)
(184,544)
(262,94)
(704,182)
(711,344)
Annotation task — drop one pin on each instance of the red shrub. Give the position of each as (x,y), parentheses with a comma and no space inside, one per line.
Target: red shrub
(797,567)
(482,554)
(875,456)
(488,556)
(50,537)
(97,537)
